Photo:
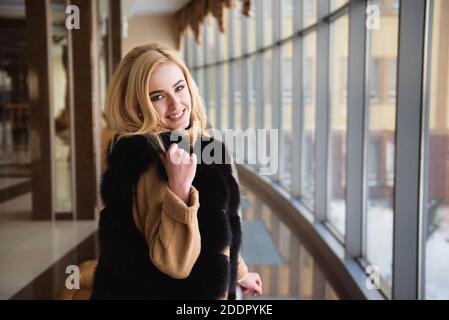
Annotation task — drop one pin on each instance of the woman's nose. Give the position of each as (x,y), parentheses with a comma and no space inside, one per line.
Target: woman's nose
(173,102)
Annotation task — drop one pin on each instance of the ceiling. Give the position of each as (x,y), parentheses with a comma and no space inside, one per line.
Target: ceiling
(152,7)
(16,8)
(13,27)
(12,8)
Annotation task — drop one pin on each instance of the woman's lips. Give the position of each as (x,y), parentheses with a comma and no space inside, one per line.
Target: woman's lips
(177,116)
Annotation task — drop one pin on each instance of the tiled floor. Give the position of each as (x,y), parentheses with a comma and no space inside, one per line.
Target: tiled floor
(27,247)
(7,182)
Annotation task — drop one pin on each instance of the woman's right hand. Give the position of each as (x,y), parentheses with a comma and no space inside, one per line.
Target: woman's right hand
(251,282)
(181,168)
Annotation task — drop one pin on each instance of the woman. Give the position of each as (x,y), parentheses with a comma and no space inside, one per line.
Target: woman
(170,228)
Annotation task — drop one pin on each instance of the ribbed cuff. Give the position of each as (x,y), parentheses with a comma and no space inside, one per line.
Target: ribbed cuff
(177,209)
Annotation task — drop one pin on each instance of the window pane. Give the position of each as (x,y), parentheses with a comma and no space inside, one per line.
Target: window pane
(252,27)
(200,82)
(287,18)
(381,111)
(238,95)
(268,22)
(210,24)
(267,56)
(308,134)
(309,12)
(200,51)
(437,165)
(225,97)
(211,96)
(338,70)
(335,4)
(267,93)
(287,116)
(224,37)
(238,28)
(252,148)
(206,88)
(252,91)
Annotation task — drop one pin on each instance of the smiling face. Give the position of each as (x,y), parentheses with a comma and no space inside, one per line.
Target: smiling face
(170,96)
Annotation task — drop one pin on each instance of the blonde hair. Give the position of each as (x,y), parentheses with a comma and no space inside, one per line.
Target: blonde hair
(129,110)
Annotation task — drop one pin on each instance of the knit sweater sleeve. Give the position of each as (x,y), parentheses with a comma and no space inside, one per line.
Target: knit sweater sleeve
(168,224)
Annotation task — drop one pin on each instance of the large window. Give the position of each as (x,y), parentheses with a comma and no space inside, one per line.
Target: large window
(437,159)
(338,62)
(354,73)
(382,49)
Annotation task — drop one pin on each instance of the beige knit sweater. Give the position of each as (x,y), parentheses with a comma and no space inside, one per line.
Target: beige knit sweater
(170,226)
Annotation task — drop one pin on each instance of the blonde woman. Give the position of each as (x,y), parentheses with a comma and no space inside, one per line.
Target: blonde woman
(170,228)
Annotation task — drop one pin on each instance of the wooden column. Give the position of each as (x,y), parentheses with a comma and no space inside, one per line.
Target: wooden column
(115,34)
(81,48)
(38,25)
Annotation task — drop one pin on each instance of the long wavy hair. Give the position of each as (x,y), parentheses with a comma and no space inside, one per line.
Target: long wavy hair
(129,110)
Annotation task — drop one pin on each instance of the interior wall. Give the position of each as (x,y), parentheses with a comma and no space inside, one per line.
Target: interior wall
(147,29)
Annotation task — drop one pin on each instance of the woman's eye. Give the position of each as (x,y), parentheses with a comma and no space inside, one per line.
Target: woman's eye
(179,88)
(156,97)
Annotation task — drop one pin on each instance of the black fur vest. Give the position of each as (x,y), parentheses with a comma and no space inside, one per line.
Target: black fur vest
(125,270)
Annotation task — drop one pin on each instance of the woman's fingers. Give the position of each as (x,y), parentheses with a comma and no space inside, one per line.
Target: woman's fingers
(172,153)
(185,157)
(193,159)
(257,290)
(180,167)
(175,154)
(258,280)
(178,156)
(257,285)
(169,155)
